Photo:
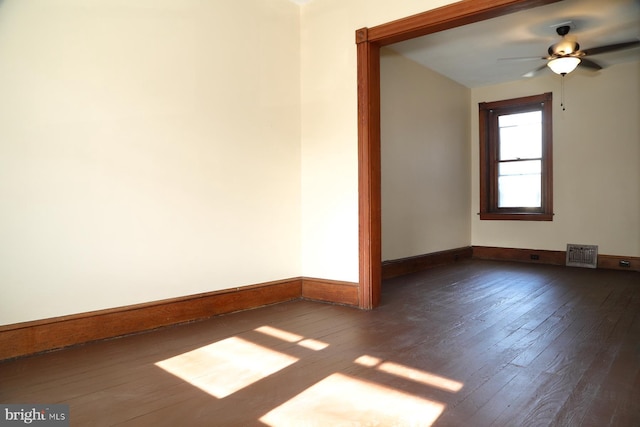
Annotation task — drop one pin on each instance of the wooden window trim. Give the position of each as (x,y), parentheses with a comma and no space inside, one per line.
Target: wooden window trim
(488,170)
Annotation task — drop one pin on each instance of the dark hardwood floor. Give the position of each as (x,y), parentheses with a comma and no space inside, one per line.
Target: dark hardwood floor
(477,343)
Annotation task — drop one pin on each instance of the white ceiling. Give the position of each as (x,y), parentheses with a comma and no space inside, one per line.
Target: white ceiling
(470,54)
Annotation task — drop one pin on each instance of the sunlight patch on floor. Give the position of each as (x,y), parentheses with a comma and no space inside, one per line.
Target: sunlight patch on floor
(409,373)
(224,367)
(309,343)
(340,400)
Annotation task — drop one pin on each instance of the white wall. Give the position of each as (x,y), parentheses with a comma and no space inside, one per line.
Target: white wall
(148,149)
(426,176)
(596,156)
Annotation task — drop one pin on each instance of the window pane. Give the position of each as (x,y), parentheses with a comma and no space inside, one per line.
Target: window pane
(520,184)
(520,135)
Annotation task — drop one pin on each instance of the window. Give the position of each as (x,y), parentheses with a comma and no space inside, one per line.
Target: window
(515,159)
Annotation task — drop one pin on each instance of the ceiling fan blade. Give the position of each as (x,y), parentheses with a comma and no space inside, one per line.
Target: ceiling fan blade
(533,73)
(585,63)
(522,58)
(611,47)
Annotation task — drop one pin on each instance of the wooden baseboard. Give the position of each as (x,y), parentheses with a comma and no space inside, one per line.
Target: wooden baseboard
(27,338)
(345,293)
(535,256)
(399,267)
(22,339)
(520,255)
(38,336)
(612,262)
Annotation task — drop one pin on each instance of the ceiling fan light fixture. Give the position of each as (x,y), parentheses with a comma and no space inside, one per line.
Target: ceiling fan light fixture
(563,65)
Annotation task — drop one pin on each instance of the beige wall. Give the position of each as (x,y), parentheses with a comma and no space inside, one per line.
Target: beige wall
(153,149)
(426,191)
(596,149)
(329,150)
(329,128)
(148,149)
(161,148)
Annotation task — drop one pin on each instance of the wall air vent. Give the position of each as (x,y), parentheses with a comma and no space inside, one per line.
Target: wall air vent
(582,255)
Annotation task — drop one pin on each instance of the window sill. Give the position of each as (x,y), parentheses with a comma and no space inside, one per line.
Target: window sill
(516,216)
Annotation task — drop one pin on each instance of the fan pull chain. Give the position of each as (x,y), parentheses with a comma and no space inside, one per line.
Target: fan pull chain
(562,91)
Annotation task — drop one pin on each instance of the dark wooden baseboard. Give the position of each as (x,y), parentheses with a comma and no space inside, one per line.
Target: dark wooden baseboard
(535,256)
(402,266)
(27,338)
(520,255)
(345,293)
(612,262)
(22,339)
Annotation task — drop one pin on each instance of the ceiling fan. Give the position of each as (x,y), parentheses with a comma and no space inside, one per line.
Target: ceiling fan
(566,55)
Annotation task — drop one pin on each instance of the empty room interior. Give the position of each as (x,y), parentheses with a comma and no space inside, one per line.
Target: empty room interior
(320,212)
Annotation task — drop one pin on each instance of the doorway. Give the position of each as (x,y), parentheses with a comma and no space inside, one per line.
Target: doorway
(369,41)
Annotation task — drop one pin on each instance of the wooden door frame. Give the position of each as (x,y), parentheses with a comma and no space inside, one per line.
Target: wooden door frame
(369,41)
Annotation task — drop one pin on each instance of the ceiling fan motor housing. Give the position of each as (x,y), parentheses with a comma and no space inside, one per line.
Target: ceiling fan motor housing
(563,47)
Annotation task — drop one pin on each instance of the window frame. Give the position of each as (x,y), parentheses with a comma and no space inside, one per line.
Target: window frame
(489,149)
